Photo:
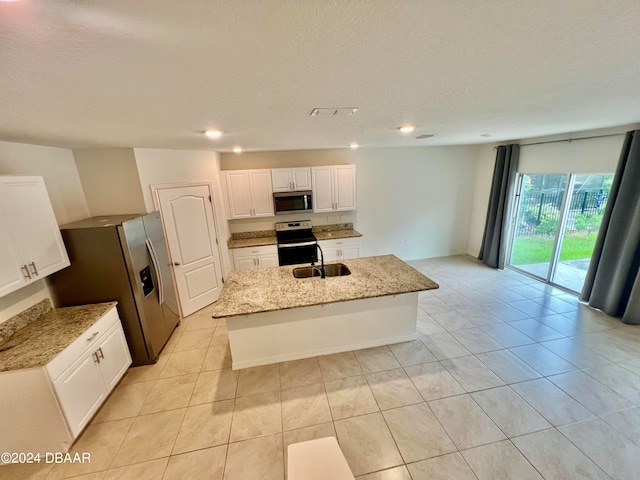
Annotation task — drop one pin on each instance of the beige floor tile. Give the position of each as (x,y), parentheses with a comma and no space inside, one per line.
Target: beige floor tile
(217,358)
(125,402)
(619,379)
(433,381)
(194,339)
(184,363)
(92,476)
(367,444)
(204,426)
(396,473)
(598,398)
(27,471)
(446,467)
(207,464)
(542,360)
(305,434)
(508,367)
(575,353)
(605,446)
(339,365)
(553,456)
(214,386)
(349,397)
(551,402)
(536,330)
(444,345)
(300,372)
(476,340)
(150,437)
(452,320)
(304,406)
(258,380)
(199,321)
(417,433)
(509,412)
(465,422)
(412,353)
(151,470)
(256,416)
(392,388)
(507,335)
(259,458)
(102,441)
(500,460)
(169,393)
(626,422)
(471,373)
(171,343)
(376,359)
(220,336)
(146,373)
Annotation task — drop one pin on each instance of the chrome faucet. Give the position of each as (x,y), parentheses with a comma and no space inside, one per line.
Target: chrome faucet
(322,272)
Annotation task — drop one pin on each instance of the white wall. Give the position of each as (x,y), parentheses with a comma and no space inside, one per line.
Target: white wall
(110,180)
(595,155)
(413,202)
(161,166)
(58,168)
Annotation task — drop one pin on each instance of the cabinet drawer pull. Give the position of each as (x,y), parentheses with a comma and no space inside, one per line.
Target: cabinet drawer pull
(92,336)
(339,243)
(34,270)
(96,359)
(255,251)
(27,275)
(101,354)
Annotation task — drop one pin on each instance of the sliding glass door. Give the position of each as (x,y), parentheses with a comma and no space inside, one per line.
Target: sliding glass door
(556,224)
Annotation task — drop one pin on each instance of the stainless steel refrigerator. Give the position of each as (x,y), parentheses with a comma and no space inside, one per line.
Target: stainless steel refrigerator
(122,258)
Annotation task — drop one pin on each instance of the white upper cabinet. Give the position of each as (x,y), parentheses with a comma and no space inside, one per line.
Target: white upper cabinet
(291,179)
(31,246)
(249,193)
(334,188)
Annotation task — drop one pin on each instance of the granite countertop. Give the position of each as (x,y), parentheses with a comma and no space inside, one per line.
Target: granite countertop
(272,289)
(268,237)
(35,344)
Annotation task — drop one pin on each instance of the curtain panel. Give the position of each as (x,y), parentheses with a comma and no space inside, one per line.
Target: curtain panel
(494,241)
(613,281)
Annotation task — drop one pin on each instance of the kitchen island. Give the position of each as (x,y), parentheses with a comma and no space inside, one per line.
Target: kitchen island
(274,317)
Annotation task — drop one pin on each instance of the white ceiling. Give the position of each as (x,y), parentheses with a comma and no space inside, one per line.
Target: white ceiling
(156,73)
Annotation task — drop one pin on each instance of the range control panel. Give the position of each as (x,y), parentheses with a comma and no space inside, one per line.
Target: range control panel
(297,225)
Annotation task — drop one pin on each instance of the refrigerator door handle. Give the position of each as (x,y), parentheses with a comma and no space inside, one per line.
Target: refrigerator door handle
(156,266)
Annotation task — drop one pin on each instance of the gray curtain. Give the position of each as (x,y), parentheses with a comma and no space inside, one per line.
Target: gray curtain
(613,283)
(494,241)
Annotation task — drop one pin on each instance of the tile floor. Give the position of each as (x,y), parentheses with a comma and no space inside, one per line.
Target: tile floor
(507,379)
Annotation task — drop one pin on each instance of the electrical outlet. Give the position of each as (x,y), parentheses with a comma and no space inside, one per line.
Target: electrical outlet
(406,242)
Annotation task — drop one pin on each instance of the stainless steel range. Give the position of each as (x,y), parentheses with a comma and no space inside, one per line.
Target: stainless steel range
(296,243)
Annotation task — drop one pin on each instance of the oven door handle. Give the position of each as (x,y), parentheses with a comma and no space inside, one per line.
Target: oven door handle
(292,245)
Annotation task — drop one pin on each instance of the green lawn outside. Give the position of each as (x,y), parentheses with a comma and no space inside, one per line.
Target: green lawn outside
(538,248)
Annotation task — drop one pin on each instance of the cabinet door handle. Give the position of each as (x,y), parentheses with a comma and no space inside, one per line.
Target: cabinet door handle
(96,359)
(101,354)
(34,270)
(95,334)
(177,264)
(27,275)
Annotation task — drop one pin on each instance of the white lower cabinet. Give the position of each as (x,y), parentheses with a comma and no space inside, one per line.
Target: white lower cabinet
(255,258)
(340,249)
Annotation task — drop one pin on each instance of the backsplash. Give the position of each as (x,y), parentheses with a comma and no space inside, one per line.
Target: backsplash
(31,314)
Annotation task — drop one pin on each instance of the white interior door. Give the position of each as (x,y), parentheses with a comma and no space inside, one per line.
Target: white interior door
(187,215)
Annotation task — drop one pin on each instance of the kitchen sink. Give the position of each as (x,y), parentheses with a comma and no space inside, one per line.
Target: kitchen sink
(331,270)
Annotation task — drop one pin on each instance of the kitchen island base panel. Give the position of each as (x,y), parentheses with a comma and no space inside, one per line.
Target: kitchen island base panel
(273,337)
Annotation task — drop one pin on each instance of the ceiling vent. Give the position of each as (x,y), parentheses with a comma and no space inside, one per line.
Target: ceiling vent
(334,111)
(420,137)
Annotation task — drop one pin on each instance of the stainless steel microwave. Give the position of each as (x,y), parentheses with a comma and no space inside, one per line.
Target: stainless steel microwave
(292,202)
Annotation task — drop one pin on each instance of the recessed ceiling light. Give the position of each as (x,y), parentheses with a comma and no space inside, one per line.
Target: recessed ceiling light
(487,134)
(213,133)
(353,146)
(237,150)
(407,128)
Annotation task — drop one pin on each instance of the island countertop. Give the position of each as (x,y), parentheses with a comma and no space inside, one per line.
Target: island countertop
(37,343)
(272,289)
